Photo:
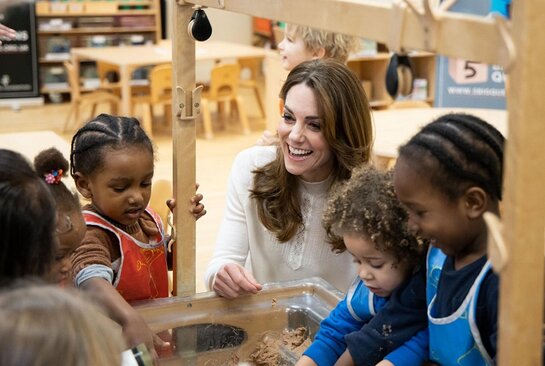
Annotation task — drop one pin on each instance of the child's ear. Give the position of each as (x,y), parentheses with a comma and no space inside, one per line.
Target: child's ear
(319,53)
(476,202)
(82,185)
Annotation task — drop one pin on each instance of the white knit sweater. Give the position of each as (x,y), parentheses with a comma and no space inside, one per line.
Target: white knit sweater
(244,240)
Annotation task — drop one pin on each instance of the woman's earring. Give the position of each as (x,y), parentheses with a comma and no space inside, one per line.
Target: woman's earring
(199,27)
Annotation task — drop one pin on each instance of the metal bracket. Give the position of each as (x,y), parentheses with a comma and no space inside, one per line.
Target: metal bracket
(194,107)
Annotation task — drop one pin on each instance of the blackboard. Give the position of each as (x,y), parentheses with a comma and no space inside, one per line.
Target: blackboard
(19,57)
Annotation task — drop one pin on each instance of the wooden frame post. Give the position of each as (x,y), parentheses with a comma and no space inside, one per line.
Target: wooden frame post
(520,318)
(183,139)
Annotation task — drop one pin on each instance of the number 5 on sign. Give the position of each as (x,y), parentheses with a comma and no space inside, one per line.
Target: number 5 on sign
(467,72)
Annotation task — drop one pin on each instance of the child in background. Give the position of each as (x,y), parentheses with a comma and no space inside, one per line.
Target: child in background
(47,325)
(302,44)
(364,217)
(27,221)
(123,255)
(53,167)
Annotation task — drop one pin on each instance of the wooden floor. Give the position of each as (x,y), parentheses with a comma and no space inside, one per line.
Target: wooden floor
(214,159)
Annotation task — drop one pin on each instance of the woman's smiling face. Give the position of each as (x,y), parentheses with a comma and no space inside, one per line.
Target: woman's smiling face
(306,152)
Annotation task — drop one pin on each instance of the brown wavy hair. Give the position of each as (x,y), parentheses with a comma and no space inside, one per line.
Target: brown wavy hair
(347,127)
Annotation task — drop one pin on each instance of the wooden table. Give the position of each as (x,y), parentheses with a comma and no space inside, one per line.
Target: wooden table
(129,58)
(396,126)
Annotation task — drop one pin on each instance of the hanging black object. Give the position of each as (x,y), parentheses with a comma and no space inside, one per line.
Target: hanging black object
(199,27)
(399,76)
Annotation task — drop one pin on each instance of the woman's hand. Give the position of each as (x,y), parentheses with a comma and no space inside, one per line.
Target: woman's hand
(6,32)
(233,280)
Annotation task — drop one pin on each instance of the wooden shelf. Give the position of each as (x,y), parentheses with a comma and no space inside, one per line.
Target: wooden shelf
(78,13)
(373,69)
(98,30)
(87,14)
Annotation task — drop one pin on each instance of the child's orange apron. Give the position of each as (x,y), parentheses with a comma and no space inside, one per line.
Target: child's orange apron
(142,272)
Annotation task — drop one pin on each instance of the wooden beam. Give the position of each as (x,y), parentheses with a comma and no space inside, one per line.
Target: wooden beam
(450,34)
(183,139)
(521,291)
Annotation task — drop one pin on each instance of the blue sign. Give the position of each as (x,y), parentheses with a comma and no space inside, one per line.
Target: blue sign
(465,83)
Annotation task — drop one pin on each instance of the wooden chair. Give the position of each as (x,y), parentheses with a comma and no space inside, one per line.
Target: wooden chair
(79,99)
(224,83)
(108,75)
(253,65)
(160,78)
(161,191)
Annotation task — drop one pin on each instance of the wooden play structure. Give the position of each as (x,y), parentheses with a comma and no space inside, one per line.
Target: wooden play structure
(518,45)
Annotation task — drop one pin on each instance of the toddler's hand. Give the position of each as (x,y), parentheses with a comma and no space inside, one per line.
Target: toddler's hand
(136,331)
(384,363)
(345,359)
(305,361)
(197,208)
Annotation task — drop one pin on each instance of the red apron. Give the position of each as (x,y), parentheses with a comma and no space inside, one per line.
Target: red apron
(143,272)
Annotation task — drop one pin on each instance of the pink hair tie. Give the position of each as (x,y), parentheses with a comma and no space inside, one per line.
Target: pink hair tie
(54,177)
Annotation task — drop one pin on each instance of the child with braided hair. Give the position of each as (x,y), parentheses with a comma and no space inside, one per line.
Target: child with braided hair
(447,176)
(123,255)
(364,217)
(70,229)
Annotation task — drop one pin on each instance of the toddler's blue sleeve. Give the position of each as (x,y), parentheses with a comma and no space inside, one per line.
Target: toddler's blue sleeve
(329,342)
(414,352)
(401,318)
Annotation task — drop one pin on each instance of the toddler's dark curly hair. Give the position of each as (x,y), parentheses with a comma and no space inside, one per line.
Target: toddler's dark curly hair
(366,204)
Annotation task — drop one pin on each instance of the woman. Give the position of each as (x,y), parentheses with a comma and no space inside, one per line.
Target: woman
(276,194)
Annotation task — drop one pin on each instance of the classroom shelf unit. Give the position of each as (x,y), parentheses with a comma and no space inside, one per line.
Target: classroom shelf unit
(65,24)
